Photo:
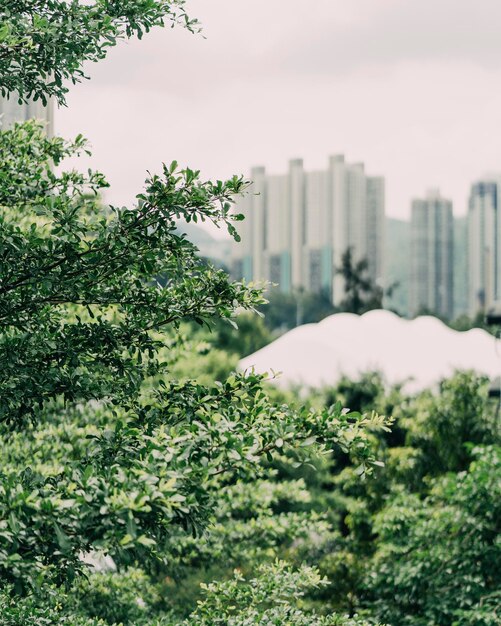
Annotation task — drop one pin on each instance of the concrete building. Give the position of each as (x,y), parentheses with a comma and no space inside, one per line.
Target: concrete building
(484,245)
(299,224)
(11,111)
(432,240)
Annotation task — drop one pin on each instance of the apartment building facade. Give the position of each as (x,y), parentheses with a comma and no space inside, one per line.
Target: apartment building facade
(431,281)
(298,224)
(11,111)
(484,245)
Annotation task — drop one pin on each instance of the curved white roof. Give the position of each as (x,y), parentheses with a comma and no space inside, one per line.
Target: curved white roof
(420,351)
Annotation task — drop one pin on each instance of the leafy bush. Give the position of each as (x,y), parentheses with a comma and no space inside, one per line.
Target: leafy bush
(437,559)
(274,597)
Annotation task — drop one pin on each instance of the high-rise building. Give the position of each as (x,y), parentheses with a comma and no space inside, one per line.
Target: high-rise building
(432,240)
(484,245)
(11,111)
(299,224)
(460,266)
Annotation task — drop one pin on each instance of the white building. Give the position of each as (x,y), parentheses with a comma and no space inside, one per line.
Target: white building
(11,111)
(432,241)
(299,224)
(484,245)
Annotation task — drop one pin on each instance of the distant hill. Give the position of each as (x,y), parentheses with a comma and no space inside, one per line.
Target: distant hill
(196,234)
(397,263)
(218,250)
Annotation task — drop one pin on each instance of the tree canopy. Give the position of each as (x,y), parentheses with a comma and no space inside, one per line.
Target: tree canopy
(103,452)
(44,43)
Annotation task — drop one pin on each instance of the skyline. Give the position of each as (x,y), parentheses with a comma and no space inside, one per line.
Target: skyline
(414,91)
(302,222)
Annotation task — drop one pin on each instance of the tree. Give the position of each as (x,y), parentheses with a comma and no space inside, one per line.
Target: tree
(101,450)
(44,43)
(437,559)
(361,294)
(418,543)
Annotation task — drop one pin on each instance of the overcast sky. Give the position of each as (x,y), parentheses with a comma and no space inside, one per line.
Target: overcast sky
(410,87)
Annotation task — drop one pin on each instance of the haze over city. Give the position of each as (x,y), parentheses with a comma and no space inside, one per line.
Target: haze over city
(411,89)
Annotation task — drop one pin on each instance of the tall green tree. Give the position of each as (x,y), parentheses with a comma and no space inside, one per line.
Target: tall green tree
(101,450)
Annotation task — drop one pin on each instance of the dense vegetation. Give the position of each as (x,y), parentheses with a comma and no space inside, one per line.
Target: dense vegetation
(418,541)
(135,491)
(103,452)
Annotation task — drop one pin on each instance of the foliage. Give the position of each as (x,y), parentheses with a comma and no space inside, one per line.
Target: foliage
(39,611)
(417,542)
(271,598)
(142,478)
(203,362)
(250,335)
(361,395)
(79,301)
(437,559)
(360,293)
(285,311)
(107,449)
(104,451)
(44,43)
(255,522)
(444,427)
(210,354)
(464,322)
(123,597)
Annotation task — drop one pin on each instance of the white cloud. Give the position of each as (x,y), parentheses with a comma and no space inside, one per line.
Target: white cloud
(401,30)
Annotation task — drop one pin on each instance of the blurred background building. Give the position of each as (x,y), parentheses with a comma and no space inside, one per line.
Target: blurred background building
(299,224)
(431,252)
(11,111)
(484,245)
